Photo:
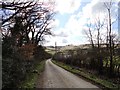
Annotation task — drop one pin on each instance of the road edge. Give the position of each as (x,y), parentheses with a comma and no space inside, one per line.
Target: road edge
(103,87)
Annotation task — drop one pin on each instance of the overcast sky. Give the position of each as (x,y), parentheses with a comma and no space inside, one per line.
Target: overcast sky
(72,18)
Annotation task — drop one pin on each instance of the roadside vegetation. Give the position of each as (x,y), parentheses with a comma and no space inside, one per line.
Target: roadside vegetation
(32,76)
(24,27)
(87,62)
(93,78)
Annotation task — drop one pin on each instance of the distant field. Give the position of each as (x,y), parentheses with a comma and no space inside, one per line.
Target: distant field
(71,47)
(50,50)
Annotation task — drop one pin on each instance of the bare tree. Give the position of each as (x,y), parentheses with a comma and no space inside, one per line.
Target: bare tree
(98,26)
(34,17)
(90,35)
(108,6)
(14,8)
(19,55)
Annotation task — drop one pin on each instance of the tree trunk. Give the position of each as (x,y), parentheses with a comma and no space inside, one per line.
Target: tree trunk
(100,65)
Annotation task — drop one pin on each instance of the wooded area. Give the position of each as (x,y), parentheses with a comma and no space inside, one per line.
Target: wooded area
(20,50)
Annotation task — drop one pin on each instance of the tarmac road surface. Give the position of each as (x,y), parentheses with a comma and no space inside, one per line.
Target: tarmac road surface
(56,77)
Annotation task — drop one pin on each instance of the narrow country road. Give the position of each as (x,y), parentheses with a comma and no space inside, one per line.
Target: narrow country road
(56,77)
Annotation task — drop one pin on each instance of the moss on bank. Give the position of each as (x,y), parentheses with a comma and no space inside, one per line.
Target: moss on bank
(32,76)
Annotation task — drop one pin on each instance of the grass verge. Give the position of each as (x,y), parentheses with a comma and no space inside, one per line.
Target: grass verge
(32,77)
(104,84)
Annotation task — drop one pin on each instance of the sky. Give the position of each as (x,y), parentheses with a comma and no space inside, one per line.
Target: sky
(72,18)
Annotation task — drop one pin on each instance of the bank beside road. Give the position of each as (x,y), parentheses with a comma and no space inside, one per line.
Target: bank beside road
(30,81)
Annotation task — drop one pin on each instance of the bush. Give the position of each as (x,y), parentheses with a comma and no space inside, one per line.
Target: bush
(18,62)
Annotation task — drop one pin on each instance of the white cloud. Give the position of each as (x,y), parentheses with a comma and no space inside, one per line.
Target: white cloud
(61,32)
(67,6)
(96,7)
(73,32)
(54,23)
(61,41)
(74,26)
(70,34)
(64,41)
